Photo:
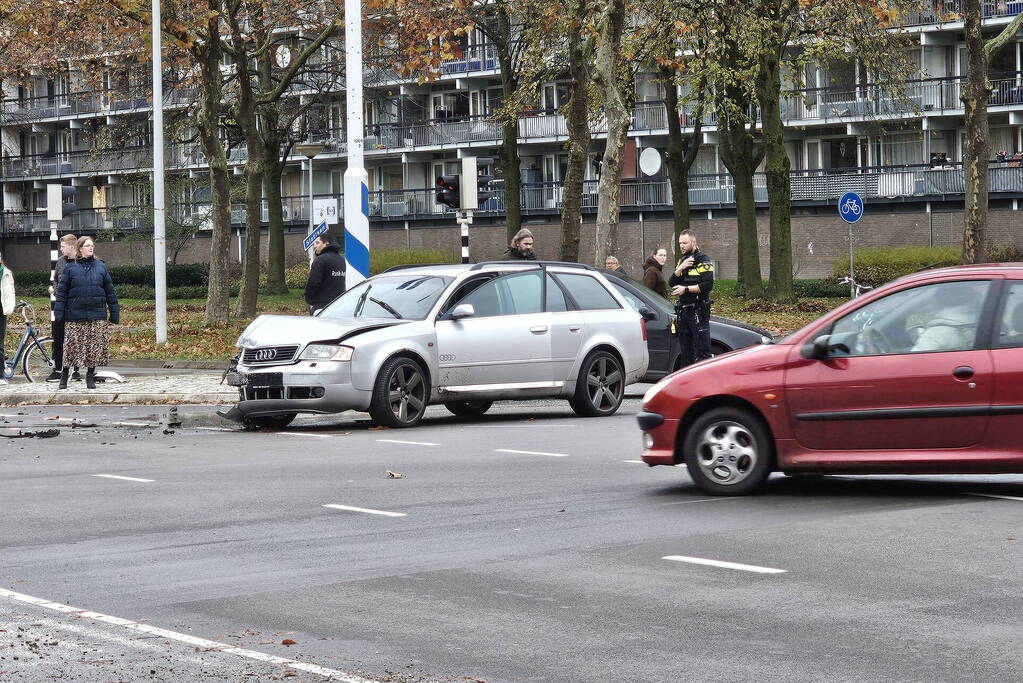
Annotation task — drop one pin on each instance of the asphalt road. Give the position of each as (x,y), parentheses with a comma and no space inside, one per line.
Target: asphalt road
(526,546)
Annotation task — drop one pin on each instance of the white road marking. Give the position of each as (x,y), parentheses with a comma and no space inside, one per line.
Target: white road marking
(702,500)
(217,429)
(318,436)
(366,510)
(135,424)
(638,462)
(724,565)
(203,643)
(409,443)
(992,495)
(114,476)
(509,450)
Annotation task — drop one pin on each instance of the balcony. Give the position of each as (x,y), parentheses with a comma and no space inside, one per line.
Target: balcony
(40,166)
(812,187)
(74,105)
(944,11)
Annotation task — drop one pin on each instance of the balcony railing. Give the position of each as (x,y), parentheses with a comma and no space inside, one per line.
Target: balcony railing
(705,191)
(35,166)
(941,11)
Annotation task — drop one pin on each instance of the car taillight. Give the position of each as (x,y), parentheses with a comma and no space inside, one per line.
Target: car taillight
(642,326)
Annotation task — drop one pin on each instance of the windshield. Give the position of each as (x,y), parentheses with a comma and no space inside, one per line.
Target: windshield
(405,297)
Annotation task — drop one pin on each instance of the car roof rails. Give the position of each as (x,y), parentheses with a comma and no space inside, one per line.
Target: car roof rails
(406,266)
(538,264)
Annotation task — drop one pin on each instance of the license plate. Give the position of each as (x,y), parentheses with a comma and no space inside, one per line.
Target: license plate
(265,379)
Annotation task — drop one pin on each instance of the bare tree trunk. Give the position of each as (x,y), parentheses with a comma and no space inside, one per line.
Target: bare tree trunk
(249,294)
(977,146)
(617,110)
(741,156)
(509,153)
(679,156)
(275,279)
(208,120)
(779,183)
(577,122)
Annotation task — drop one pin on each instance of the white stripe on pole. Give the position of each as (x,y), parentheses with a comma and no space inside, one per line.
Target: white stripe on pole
(159,209)
(356,193)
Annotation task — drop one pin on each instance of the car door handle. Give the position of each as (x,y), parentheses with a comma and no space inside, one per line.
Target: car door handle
(574,328)
(539,329)
(963,372)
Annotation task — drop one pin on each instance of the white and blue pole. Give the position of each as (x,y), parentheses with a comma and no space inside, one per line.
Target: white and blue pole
(356,189)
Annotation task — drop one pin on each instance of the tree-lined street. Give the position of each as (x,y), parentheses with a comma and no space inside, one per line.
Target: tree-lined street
(528,545)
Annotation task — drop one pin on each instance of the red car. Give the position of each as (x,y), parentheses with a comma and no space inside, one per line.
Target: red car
(923,375)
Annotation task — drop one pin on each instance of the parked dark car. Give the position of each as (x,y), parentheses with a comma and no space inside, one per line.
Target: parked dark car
(921,376)
(663,346)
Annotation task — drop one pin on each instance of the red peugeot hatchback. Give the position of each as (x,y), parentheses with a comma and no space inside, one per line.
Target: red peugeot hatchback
(923,375)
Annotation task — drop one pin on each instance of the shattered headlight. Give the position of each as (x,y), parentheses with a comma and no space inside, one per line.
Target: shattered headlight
(327,352)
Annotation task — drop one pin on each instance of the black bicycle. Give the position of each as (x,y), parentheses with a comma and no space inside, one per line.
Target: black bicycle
(34,353)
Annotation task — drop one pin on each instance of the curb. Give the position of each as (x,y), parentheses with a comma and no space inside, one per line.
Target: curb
(109,397)
(169,364)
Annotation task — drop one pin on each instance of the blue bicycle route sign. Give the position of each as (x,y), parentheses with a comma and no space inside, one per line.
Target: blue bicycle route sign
(311,237)
(850,207)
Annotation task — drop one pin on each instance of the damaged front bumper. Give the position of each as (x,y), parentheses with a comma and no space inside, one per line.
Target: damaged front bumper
(305,387)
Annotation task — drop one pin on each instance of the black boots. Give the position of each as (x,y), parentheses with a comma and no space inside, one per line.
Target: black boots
(63,378)
(90,378)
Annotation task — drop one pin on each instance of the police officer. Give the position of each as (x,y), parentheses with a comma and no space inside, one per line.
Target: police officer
(326,276)
(691,283)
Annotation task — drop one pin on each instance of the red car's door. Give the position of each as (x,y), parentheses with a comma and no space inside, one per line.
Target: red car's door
(904,373)
(1006,429)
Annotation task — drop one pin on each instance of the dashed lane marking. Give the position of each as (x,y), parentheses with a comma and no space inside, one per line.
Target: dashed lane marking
(318,436)
(409,443)
(724,565)
(211,645)
(368,511)
(993,495)
(217,429)
(509,450)
(115,476)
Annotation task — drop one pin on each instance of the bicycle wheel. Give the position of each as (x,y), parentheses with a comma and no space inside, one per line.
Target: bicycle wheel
(38,360)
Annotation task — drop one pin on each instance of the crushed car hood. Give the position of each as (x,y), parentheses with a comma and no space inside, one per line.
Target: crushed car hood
(277,330)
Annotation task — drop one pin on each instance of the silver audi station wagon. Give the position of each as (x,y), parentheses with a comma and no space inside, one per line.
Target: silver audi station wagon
(461,335)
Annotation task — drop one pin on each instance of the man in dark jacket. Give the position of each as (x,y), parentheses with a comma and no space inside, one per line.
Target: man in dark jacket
(521,248)
(692,282)
(67,251)
(326,276)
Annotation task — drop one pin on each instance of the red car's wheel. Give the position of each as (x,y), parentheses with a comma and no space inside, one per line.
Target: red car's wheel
(728,452)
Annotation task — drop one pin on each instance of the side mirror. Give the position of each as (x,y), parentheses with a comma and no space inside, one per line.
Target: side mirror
(647,313)
(462,311)
(820,347)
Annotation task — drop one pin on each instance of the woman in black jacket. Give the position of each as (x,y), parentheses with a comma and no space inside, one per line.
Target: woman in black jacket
(85,294)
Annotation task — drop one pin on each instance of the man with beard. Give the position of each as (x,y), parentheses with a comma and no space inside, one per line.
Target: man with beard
(692,282)
(521,248)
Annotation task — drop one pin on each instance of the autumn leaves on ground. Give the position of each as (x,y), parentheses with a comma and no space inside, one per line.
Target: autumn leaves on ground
(189,339)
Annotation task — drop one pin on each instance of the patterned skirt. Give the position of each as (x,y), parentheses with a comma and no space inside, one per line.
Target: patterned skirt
(86,344)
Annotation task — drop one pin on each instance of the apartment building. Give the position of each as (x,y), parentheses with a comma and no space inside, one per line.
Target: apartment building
(843,133)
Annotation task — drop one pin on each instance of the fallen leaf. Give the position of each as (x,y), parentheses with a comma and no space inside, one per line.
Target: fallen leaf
(288,641)
(394,475)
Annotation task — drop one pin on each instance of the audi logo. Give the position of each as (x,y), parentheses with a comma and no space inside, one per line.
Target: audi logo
(266,354)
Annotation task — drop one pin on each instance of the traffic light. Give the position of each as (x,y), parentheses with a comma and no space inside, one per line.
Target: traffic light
(448,191)
(60,201)
(485,188)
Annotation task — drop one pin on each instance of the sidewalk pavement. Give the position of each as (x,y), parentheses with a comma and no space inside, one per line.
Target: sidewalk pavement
(147,386)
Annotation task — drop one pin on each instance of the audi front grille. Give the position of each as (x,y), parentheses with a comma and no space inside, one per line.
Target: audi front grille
(269,355)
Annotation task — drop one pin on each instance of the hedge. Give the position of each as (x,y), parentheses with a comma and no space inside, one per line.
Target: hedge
(878,265)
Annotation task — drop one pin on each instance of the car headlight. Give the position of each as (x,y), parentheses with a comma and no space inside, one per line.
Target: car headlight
(653,391)
(327,352)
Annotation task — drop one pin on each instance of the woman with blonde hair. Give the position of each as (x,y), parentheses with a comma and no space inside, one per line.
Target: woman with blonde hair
(7,304)
(85,301)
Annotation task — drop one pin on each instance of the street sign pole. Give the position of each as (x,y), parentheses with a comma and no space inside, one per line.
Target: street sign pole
(356,191)
(464,219)
(851,209)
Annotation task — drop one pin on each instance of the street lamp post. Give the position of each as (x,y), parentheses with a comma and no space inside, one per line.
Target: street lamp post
(310,149)
(159,206)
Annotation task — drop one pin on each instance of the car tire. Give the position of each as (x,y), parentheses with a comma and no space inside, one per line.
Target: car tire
(600,388)
(272,422)
(468,408)
(400,394)
(728,452)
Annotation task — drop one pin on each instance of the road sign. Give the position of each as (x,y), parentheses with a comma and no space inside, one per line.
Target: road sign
(325,209)
(307,243)
(850,207)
